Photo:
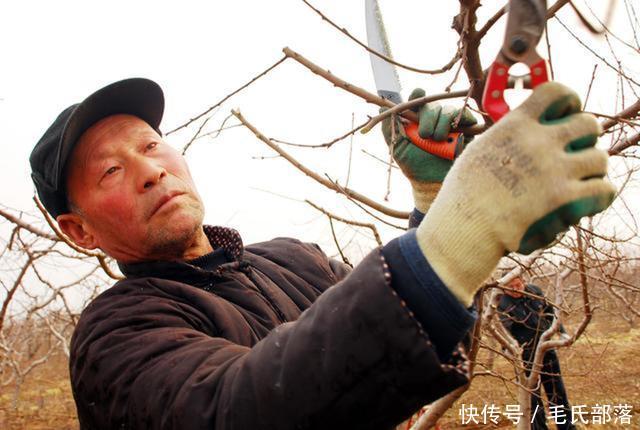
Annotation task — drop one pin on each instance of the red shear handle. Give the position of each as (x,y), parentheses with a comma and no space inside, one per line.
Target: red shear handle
(539,73)
(445,149)
(497,79)
(493,101)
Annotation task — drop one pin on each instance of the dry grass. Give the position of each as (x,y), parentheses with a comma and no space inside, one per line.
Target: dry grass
(44,402)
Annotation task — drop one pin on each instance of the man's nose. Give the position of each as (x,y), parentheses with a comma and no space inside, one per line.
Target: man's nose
(151,173)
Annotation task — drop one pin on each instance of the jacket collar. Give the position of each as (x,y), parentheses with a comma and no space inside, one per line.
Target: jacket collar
(227,245)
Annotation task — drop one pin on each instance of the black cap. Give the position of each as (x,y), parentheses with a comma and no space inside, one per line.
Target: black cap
(137,96)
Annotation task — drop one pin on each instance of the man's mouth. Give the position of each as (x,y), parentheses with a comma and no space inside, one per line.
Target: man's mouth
(164,200)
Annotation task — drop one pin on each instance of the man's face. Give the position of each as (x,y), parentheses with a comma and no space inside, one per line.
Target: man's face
(135,195)
(517,285)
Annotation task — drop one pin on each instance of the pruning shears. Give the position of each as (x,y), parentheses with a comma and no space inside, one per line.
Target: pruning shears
(388,84)
(525,25)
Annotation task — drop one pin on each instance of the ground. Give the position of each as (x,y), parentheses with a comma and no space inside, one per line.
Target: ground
(602,368)
(45,400)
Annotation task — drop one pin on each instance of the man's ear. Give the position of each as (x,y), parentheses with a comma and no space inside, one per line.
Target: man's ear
(73,226)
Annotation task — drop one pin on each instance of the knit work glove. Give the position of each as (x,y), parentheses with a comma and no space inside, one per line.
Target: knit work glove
(515,188)
(424,170)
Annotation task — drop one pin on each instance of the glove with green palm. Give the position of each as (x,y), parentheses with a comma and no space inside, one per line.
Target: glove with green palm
(525,180)
(424,170)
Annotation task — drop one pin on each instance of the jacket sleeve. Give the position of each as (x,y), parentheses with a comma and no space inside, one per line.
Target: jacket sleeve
(435,307)
(339,269)
(355,359)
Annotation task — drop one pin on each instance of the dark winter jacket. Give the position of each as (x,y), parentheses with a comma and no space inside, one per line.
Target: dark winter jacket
(526,317)
(273,336)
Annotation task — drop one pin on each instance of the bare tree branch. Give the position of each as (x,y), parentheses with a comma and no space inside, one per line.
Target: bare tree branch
(353,194)
(627,113)
(623,144)
(370,226)
(23,224)
(362,93)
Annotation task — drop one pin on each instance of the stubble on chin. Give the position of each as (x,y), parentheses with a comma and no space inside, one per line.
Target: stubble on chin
(171,240)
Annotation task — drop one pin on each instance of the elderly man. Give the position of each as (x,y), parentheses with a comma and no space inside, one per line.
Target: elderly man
(206,333)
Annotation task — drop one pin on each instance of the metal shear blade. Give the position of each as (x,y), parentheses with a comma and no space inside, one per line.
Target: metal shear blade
(525,25)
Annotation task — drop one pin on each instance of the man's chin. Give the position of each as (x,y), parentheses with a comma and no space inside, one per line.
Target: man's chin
(173,236)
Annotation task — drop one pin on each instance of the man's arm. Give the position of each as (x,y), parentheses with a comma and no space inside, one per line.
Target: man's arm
(440,313)
(357,358)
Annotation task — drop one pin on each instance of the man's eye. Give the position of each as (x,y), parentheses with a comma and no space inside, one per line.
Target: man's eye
(110,170)
(152,145)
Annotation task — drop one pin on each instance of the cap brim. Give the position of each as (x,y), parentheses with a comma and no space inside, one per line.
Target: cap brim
(136,96)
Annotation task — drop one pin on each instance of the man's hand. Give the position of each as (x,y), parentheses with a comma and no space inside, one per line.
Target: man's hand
(425,171)
(528,178)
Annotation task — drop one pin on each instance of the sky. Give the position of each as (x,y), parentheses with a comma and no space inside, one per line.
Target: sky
(56,53)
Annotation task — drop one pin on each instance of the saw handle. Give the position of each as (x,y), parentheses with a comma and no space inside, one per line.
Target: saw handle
(444,149)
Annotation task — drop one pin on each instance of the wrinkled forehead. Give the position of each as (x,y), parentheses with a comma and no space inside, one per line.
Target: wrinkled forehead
(110,133)
(106,137)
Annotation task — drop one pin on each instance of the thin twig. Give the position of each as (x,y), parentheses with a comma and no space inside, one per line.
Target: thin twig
(228,96)
(631,11)
(370,226)
(386,163)
(550,60)
(490,22)
(465,104)
(344,31)
(593,78)
(601,58)
(335,240)
(197,134)
(328,144)
(346,182)
(608,30)
(364,208)
(389,170)
(215,133)
(11,291)
(455,77)
(313,175)
(553,9)
(22,224)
